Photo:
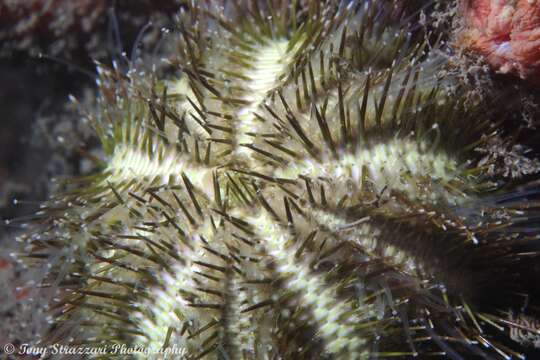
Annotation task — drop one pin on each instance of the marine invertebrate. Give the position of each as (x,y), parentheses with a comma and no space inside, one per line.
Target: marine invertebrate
(506,33)
(305,188)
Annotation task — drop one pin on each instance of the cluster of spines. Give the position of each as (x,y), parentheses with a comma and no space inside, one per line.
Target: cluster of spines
(298,193)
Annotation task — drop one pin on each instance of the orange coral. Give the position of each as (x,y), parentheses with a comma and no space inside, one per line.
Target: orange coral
(506,33)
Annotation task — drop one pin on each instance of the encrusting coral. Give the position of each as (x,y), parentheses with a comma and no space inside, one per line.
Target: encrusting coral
(305,188)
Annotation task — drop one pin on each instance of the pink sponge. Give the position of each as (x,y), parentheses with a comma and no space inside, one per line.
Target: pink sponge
(506,33)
